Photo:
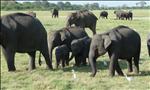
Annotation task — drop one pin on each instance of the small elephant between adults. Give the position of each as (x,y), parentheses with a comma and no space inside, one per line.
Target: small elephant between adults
(83,18)
(23,33)
(62,55)
(121,42)
(64,36)
(80,50)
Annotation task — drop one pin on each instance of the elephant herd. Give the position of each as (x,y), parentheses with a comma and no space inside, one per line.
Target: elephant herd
(120,14)
(24,33)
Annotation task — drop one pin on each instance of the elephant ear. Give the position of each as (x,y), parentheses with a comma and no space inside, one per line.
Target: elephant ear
(63,36)
(107,41)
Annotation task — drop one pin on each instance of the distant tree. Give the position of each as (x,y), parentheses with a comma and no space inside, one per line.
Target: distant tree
(60,5)
(141,3)
(94,6)
(124,6)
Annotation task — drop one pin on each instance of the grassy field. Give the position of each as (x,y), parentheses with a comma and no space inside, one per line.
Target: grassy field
(42,79)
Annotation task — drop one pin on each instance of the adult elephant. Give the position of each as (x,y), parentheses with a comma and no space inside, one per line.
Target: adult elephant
(104,14)
(121,43)
(55,13)
(123,15)
(23,33)
(83,18)
(64,36)
(129,15)
(32,13)
(120,14)
(148,44)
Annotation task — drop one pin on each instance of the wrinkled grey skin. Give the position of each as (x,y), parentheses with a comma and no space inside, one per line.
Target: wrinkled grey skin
(55,13)
(148,44)
(121,43)
(80,50)
(32,13)
(23,33)
(64,36)
(104,14)
(83,19)
(123,15)
(62,55)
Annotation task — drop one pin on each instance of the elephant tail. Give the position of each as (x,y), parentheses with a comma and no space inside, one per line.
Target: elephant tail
(40,62)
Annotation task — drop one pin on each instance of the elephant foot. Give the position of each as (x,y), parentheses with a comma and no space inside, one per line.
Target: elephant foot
(49,67)
(11,68)
(92,75)
(111,75)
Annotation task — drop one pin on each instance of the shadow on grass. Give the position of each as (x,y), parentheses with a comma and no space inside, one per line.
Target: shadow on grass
(99,64)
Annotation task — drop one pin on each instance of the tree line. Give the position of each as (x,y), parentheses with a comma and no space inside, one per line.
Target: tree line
(45,5)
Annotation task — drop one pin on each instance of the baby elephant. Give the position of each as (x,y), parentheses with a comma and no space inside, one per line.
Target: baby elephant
(62,55)
(80,49)
(148,44)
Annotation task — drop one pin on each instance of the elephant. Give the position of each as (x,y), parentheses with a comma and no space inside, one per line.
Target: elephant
(62,55)
(55,13)
(123,15)
(120,42)
(32,13)
(148,44)
(64,36)
(80,50)
(104,14)
(23,33)
(83,18)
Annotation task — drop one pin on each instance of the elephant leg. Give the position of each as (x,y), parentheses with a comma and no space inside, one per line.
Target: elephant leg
(32,60)
(148,47)
(47,58)
(112,65)
(136,63)
(9,55)
(118,69)
(77,61)
(129,65)
(63,62)
(58,58)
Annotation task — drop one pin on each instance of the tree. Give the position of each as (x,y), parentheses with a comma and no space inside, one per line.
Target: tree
(60,5)
(141,3)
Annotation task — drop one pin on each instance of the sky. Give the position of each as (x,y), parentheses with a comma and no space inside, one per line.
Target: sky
(106,3)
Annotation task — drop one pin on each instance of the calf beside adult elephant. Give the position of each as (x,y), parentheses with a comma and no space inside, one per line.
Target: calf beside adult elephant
(64,36)
(148,44)
(80,50)
(121,43)
(62,55)
(128,15)
(24,34)
(83,19)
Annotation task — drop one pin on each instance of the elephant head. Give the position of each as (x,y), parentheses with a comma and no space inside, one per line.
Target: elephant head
(98,47)
(56,39)
(73,19)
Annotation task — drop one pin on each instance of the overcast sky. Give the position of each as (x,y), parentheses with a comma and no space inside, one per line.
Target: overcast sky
(107,3)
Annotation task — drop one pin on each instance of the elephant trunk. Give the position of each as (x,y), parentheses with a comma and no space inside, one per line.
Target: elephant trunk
(51,47)
(92,61)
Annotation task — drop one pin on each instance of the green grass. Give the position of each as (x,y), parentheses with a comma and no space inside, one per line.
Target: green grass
(42,79)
